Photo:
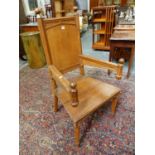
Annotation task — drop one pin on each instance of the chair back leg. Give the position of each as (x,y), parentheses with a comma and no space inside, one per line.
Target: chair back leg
(55,103)
(82,70)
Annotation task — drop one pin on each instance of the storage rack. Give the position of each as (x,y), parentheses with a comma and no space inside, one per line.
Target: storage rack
(103,23)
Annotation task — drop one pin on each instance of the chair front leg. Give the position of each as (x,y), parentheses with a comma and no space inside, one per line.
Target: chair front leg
(114,104)
(55,104)
(77,133)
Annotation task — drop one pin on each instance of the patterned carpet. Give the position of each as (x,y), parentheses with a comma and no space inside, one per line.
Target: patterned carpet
(43,132)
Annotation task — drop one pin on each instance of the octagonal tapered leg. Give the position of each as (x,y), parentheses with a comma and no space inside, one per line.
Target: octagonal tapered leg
(114,104)
(77,134)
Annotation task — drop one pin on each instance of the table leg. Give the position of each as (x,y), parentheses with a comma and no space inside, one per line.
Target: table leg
(130,61)
(111,56)
(111,53)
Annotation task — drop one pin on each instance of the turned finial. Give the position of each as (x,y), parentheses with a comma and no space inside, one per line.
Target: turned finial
(121,61)
(74,94)
(120,68)
(73,85)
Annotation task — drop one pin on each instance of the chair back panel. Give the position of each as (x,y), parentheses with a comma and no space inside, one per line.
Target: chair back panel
(62,37)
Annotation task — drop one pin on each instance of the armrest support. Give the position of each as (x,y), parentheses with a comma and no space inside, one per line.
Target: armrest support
(70,87)
(118,68)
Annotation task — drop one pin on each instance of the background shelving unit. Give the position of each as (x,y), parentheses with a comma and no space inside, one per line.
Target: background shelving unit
(63,7)
(103,23)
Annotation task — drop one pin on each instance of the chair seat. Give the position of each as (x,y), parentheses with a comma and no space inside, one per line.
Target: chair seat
(92,94)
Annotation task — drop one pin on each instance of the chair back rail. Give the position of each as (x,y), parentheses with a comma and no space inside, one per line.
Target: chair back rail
(61,42)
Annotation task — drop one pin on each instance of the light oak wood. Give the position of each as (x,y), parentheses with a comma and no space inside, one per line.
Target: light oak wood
(77,133)
(99,31)
(82,72)
(85,95)
(58,30)
(118,68)
(54,92)
(44,41)
(92,94)
(103,15)
(114,104)
(98,20)
(74,94)
(58,8)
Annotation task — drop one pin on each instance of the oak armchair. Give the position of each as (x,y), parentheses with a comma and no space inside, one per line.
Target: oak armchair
(62,47)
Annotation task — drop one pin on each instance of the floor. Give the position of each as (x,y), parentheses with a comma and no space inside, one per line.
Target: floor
(86,40)
(44,132)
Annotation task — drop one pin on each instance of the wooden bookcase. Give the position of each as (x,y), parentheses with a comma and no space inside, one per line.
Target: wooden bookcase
(103,23)
(63,7)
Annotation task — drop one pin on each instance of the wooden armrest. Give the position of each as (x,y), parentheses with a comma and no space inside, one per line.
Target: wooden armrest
(57,76)
(118,68)
(70,87)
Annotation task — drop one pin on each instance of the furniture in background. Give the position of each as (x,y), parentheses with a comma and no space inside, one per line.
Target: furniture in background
(124,28)
(63,51)
(48,10)
(125,15)
(127,2)
(124,2)
(103,24)
(33,48)
(31,18)
(22,20)
(101,3)
(33,27)
(93,3)
(28,27)
(63,7)
(123,37)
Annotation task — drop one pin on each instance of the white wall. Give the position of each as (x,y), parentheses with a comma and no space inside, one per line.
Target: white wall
(88,7)
(83,4)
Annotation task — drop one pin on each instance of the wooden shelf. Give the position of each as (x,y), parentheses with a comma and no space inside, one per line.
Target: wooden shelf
(99,32)
(100,46)
(62,11)
(104,16)
(98,20)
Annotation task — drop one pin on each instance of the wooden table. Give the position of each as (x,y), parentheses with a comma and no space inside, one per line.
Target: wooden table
(123,37)
(29,27)
(124,28)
